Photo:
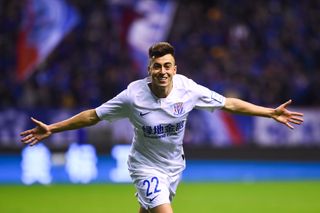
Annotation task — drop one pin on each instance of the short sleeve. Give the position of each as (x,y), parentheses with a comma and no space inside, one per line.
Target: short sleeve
(206,98)
(114,109)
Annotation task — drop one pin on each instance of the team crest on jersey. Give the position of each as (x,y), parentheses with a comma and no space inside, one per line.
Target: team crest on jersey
(178,108)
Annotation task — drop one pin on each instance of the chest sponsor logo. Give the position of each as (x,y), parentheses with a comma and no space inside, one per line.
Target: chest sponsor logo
(163,130)
(178,108)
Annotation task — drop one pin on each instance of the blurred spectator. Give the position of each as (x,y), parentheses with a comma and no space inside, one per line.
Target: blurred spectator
(262,51)
(36,165)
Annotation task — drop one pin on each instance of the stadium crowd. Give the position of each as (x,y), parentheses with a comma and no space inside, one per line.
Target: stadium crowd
(262,51)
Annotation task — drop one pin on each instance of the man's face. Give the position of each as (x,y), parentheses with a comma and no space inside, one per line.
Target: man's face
(162,70)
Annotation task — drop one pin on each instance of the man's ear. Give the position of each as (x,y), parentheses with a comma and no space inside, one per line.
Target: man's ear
(149,73)
(175,69)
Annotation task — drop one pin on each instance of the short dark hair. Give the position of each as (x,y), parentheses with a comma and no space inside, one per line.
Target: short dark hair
(160,49)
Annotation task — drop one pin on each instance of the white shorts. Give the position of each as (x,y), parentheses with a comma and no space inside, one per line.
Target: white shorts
(155,188)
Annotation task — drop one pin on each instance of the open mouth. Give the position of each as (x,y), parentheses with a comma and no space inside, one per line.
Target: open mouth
(162,78)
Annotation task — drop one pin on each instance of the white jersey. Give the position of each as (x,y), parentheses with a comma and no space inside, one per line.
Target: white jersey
(159,123)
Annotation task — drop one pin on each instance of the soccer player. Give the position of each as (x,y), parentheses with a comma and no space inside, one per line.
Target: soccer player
(158,106)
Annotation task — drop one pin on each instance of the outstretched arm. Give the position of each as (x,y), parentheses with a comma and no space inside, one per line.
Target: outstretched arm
(280,114)
(43,131)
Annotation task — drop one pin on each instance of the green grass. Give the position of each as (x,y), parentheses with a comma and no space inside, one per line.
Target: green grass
(268,197)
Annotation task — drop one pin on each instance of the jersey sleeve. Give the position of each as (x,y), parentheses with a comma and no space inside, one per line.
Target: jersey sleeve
(114,109)
(206,98)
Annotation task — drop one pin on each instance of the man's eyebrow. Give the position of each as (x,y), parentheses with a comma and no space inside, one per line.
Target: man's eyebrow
(166,63)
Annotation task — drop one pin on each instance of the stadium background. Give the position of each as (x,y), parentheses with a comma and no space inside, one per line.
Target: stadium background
(264,52)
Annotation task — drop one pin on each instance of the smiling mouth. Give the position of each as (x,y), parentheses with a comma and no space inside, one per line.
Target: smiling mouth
(162,79)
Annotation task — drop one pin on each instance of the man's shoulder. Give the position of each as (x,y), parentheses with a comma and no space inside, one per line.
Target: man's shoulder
(182,81)
(181,77)
(138,89)
(137,84)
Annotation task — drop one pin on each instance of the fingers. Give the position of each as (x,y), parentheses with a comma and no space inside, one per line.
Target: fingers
(30,139)
(297,114)
(36,121)
(30,131)
(287,103)
(29,136)
(289,125)
(35,141)
(26,138)
(295,121)
(27,132)
(296,118)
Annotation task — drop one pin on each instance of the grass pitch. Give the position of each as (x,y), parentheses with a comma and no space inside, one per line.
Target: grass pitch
(291,197)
